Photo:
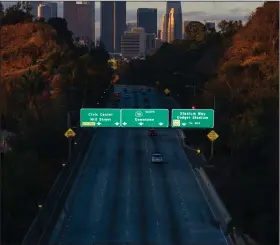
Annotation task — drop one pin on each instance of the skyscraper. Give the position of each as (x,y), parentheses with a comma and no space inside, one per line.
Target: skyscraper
(147,19)
(53,6)
(34,5)
(133,43)
(86,21)
(171,26)
(44,11)
(178,21)
(164,24)
(70,15)
(113,24)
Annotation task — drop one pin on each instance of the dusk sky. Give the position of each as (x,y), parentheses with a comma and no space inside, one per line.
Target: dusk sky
(200,11)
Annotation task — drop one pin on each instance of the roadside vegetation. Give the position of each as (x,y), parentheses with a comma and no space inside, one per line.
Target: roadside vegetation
(43,76)
(239,65)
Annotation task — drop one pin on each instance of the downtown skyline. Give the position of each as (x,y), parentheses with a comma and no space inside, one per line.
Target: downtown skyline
(198,11)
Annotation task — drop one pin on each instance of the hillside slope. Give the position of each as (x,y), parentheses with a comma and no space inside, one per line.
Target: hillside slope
(23,46)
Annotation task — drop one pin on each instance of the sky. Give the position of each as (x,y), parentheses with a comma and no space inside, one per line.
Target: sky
(199,11)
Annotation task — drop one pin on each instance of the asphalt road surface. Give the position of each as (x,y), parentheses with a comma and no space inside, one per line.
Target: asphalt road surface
(120,197)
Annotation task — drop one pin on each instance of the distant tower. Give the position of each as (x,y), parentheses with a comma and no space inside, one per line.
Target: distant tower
(70,15)
(178,21)
(44,11)
(171,26)
(164,21)
(113,24)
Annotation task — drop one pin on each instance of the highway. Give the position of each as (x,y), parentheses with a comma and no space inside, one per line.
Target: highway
(120,197)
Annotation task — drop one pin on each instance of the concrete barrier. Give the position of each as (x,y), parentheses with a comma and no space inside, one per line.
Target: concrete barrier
(220,210)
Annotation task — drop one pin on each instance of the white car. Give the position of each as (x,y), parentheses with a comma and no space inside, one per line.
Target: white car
(157,158)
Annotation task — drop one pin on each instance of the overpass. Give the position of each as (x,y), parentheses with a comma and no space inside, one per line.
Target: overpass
(119,197)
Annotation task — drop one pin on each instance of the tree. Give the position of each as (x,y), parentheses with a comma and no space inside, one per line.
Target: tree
(229,28)
(1,13)
(63,34)
(32,84)
(18,13)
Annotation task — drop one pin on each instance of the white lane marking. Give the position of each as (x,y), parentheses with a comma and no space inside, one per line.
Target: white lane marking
(203,192)
(158,235)
(128,198)
(146,145)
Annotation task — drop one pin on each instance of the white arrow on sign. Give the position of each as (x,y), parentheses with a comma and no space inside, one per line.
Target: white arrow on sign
(98,123)
(141,123)
(117,123)
(183,124)
(124,123)
(160,124)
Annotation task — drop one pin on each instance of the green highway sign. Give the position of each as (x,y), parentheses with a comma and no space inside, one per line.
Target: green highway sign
(192,118)
(100,118)
(145,118)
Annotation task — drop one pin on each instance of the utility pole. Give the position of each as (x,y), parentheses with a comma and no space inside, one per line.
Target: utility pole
(70,138)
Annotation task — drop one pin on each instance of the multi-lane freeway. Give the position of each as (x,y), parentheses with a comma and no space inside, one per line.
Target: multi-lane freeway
(120,197)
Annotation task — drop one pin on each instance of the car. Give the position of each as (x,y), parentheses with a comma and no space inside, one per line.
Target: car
(152,132)
(126,96)
(146,99)
(157,158)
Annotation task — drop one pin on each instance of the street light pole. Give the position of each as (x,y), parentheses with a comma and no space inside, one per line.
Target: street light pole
(214,96)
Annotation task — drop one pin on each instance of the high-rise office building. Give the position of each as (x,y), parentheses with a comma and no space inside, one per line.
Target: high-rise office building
(133,43)
(70,15)
(86,21)
(164,23)
(171,26)
(159,34)
(178,21)
(158,43)
(53,6)
(113,24)
(44,11)
(131,25)
(34,8)
(150,41)
(147,19)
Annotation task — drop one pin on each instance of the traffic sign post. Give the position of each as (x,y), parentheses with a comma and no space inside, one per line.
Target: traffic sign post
(109,118)
(212,136)
(192,118)
(145,118)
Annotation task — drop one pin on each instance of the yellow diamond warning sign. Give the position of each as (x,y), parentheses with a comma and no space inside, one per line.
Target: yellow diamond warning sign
(166,91)
(70,133)
(212,135)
